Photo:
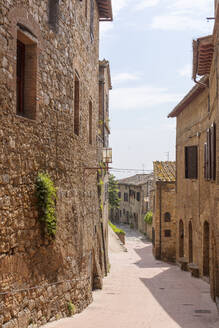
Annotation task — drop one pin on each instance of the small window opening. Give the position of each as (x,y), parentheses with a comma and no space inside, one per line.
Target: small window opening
(26,75)
(167,217)
(54,14)
(167,233)
(76,105)
(85,9)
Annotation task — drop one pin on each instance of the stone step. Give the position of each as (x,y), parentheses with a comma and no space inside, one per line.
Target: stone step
(194,269)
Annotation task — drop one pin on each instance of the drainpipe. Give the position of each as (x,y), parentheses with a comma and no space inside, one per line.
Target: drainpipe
(103,108)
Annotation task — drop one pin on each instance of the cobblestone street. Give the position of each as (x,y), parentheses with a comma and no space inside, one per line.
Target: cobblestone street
(141,292)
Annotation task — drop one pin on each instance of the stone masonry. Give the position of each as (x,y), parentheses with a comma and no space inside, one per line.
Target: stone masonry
(164,213)
(197,162)
(39,277)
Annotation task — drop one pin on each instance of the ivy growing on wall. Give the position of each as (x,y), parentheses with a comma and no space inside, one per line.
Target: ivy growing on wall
(148,217)
(46,194)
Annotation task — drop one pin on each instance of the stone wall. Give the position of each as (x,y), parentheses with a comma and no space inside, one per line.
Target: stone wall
(197,199)
(165,230)
(45,274)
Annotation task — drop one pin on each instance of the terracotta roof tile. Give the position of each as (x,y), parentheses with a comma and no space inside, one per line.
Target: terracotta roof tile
(165,171)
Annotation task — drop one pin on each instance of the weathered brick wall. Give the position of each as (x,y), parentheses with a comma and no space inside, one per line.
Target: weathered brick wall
(165,201)
(197,199)
(48,143)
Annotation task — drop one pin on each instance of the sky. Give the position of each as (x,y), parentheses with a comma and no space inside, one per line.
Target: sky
(149,46)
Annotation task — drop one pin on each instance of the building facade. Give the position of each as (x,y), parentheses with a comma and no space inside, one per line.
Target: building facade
(102,143)
(134,204)
(164,211)
(49,109)
(197,162)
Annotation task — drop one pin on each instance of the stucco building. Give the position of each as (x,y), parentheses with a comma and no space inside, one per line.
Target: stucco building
(164,211)
(197,162)
(134,194)
(49,110)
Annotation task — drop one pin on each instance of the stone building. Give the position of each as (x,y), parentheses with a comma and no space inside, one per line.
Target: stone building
(103,143)
(49,110)
(164,211)
(134,195)
(197,165)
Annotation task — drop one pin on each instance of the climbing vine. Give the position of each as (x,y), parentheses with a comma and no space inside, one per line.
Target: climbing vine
(46,194)
(148,217)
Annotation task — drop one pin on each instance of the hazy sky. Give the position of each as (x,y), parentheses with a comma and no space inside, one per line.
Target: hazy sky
(149,46)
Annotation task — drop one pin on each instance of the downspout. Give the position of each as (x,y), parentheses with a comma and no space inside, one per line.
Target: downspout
(160,209)
(103,108)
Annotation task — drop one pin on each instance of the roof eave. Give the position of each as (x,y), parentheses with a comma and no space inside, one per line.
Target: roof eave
(105,10)
(191,95)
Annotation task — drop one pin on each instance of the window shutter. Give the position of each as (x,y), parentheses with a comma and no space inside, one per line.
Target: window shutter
(92,19)
(208,154)
(205,160)
(186,162)
(213,152)
(191,162)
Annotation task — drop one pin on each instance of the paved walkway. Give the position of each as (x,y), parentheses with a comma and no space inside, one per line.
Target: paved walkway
(141,292)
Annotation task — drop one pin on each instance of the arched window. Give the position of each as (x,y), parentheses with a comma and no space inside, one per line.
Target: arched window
(167,217)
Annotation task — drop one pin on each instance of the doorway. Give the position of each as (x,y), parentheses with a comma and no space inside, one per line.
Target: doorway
(181,238)
(190,243)
(206,249)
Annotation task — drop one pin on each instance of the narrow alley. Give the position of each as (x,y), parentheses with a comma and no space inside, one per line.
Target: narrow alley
(141,292)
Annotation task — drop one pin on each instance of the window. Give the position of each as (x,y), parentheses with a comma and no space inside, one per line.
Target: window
(26,73)
(90,123)
(167,217)
(125,196)
(76,105)
(119,195)
(54,14)
(92,19)
(167,233)
(86,9)
(191,162)
(210,154)
(123,211)
(138,196)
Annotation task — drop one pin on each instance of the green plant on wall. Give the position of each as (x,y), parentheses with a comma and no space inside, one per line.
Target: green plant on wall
(46,194)
(116,229)
(148,217)
(71,308)
(114,199)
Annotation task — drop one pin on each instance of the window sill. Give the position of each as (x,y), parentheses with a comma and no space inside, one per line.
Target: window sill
(25,118)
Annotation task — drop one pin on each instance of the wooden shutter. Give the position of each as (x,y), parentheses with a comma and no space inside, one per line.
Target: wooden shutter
(186,162)
(20,77)
(213,152)
(208,154)
(191,162)
(205,160)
